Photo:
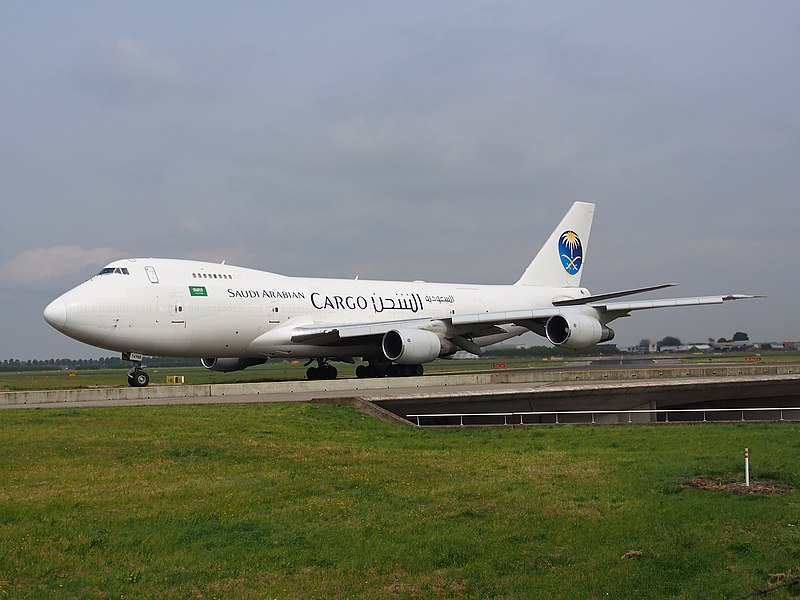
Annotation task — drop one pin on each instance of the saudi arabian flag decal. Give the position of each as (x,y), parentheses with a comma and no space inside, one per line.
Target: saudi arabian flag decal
(197,290)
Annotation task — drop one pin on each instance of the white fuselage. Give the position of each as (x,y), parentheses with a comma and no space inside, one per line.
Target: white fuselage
(233,318)
(171,307)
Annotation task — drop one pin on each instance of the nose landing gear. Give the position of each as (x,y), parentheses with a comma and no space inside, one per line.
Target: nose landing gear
(136,376)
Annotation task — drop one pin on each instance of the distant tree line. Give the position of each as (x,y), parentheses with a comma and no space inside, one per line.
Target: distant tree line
(78,364)
(671,341)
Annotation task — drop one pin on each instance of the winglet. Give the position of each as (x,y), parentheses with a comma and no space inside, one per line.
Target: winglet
(741,296)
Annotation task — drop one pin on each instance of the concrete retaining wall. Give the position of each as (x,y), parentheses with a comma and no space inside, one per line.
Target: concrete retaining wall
(288,388)
(743,391)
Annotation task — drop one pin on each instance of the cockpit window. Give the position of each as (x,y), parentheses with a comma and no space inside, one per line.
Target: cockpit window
(114,270)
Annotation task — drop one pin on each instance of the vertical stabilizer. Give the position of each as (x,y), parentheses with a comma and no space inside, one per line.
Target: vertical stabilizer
(560,261)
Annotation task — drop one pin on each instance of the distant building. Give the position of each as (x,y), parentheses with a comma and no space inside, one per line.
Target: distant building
(687,348)
(725,346)
(651,348)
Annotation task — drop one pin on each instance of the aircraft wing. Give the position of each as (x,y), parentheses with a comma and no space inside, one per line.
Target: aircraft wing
(613,309)
(462,328)
(627,307)
(510,316)
(329,334)
(460,334)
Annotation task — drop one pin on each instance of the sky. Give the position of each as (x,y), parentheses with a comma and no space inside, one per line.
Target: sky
(439,141)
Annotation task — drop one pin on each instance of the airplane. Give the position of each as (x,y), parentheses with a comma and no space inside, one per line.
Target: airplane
(232,317)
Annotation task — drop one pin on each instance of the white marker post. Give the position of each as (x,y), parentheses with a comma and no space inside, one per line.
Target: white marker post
(747,467)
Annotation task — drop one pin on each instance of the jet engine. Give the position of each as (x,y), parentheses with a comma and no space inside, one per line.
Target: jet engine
(226,365)
(576,331)
(414,346)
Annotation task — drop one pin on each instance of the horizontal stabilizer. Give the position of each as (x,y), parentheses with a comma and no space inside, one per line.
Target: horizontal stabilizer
(610,295)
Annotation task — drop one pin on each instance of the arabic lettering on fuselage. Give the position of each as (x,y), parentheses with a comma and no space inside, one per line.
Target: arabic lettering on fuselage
(440,299)
(409,302)
(377,302)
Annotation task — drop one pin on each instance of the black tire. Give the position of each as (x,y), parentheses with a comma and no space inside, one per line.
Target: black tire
(138,379)
(362,371)
(312,373)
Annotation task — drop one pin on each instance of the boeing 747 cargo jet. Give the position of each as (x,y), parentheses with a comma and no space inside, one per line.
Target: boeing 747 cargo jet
(232,317)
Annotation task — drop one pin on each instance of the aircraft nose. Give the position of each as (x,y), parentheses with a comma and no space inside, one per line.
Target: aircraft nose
(55,313)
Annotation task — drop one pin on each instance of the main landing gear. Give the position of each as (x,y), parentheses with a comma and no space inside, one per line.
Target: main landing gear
(136,376)
(378,368)
(324,370)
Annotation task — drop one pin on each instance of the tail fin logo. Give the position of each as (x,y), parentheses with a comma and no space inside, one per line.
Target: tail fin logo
(571,251)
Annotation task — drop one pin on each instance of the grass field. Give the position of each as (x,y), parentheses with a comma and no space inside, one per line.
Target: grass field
(306,501)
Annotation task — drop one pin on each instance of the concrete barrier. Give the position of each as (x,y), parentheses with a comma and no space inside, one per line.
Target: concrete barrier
(103,394)
(288,388)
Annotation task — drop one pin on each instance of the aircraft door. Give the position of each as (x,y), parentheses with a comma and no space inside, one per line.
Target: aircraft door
(274,313)
(174,330)
(176,310)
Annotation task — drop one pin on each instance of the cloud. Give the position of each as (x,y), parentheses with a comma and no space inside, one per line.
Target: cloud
(128,70)
(191,226)
(54,264)
(237,254)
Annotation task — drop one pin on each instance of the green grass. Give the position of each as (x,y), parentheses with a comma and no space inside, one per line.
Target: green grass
(305,501)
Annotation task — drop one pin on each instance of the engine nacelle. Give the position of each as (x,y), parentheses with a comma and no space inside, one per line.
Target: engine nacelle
(576,331)
(414,346)
(226,365)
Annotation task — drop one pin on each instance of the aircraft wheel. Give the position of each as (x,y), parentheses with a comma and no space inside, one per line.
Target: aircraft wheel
(414,370)
(331,372)
(138,379)
(312,373)
(362,371)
